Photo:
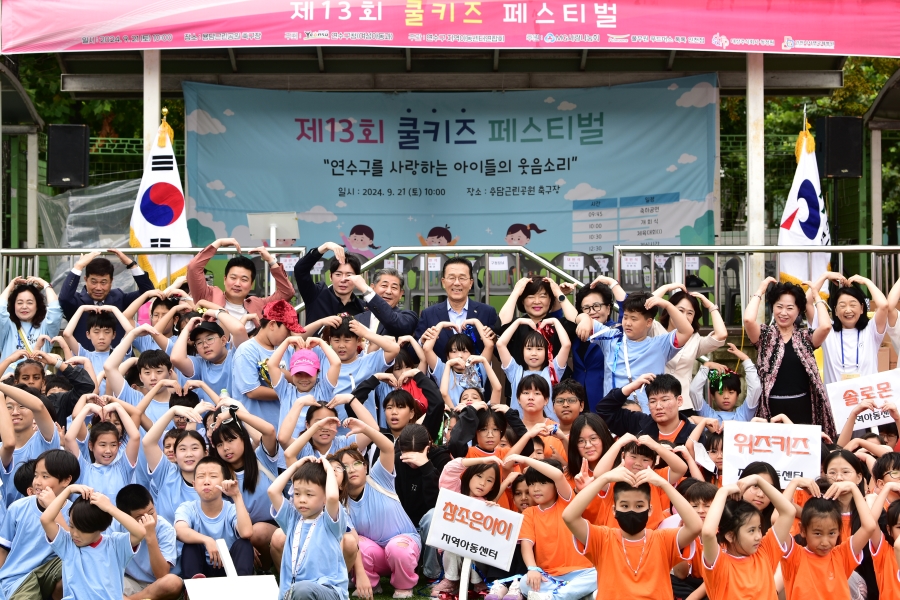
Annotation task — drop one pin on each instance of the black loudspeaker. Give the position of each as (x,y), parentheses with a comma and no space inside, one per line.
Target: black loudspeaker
(839,147)
(68,155)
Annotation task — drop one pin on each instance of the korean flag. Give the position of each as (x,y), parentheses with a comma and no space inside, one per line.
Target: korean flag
(804,221)
(158,219)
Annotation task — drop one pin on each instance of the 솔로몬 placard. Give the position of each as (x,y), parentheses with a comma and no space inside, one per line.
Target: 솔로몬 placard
(880,388)
(794,450)
(470,528)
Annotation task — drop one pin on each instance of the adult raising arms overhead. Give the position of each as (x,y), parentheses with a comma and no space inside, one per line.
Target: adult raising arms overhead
(851,347)
(785,361)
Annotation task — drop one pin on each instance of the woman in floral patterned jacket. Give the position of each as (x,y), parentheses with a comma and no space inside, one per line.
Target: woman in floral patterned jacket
(787,368)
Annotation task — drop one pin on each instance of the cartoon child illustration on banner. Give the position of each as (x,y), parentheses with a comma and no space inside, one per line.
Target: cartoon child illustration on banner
(438,236)
(361,241)
(519,234)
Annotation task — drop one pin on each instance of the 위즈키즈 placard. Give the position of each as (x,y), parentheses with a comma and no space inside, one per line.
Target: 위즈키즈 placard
(793,450)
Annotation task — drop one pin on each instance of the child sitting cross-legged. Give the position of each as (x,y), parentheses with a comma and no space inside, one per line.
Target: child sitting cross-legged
(199,523)
(314,522)
(93,563)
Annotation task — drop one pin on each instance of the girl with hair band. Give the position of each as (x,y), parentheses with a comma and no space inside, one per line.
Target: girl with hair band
(255,469)
(25,316)
(851,347)
(388,541)
(689,304)
(785,362)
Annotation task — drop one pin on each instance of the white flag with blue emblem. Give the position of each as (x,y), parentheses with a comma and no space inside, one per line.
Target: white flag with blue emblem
(804,222)
(158,219)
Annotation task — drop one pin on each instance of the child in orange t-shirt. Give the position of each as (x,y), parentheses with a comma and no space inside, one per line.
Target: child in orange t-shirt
(885,547)
(821,569)
(632,562)
(555,569)
(700,496)
(745,568)
(484,426)
(636,455)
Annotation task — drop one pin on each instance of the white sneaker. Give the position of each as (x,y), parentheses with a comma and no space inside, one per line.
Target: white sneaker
(539,595)
(514,590)
(497,592)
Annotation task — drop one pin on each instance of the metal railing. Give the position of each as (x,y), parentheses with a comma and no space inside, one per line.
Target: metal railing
(394,254)
(671,264)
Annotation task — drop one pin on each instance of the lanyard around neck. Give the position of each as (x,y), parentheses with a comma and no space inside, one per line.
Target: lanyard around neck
(843,362)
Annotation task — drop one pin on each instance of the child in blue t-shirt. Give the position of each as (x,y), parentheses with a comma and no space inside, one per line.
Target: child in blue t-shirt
(107,470)
(101,331)
(30,564)
(535,354)
(93,559)
(460,345)
(150,571)
(320,438)
(314,522)
(199,523)
(304,376)
(629,352)
(344,338)
(725,390)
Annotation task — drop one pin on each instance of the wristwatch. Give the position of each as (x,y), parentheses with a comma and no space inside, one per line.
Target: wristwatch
(131,265)
(562,298)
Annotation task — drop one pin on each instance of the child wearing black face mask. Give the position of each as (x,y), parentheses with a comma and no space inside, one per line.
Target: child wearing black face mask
(633,560)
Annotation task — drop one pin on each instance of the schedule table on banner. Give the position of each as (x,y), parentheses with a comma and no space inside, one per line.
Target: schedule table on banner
(793,450)
(881,388)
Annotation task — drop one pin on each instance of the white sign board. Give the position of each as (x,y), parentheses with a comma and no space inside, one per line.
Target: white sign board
(390,264)
(317,268)
(660,260)
(434,263)
(880,388)
(631,263)
(794,450)
(498,263)
(573,263)
(288,262)
(691,263)
(471,529)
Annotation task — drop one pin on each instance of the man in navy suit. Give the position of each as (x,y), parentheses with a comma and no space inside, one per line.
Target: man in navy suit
(382,300)
(457,279)
(98,289)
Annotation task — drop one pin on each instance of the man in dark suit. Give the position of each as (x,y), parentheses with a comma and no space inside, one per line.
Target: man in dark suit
(98,289)
(457,279)
(382,300)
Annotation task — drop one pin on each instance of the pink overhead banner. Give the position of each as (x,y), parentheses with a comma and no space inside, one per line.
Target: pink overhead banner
(843,27)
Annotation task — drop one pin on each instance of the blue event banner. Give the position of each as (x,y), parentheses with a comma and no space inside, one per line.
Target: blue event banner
(556,170)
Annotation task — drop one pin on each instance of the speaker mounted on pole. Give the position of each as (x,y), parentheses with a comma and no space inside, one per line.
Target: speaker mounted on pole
(839,147)
(68,155)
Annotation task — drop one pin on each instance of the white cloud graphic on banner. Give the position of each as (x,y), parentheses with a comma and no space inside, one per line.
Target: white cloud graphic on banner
(341,204)
(549,100)
(699,96)
(560,182)
(317,214)
(203,123)
(566,106)
(228,112)
(686,158)
(206,219)
(584,191)
(216,185)
(230,194)
(672,168)
(673,86)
